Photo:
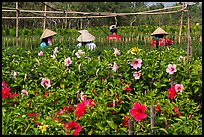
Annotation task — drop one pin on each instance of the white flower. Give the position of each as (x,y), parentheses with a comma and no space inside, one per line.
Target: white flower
(116,51)
(53,56)
(24,92)
(55,51)
(79,53)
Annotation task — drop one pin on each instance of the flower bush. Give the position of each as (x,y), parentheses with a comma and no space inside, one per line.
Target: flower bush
(116,89)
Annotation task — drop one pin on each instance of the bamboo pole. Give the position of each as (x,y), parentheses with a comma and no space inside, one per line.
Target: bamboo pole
(188,44)
(181,26)
(44,24)
(17,12)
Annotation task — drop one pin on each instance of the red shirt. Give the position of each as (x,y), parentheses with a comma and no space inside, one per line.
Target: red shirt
(162,42)
(114,37)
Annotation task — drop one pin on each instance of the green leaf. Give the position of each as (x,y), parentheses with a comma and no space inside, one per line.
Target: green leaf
(111,124)
(164,130)
(99,126)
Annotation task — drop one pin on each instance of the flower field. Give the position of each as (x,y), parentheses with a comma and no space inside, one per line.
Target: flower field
(67,90)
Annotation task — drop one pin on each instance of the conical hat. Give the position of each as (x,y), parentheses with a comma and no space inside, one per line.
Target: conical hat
(159,31)
(85,36)
(113,27)
(81,31)
(47,33)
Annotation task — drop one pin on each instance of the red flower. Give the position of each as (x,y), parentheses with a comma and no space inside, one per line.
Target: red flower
(157,108)
(15,94)
(138,111)
(33,114)
(80,110)
(120,101)
(190,116)
(37,114)
(125,122)
(88,102)
(56,119)
(113,112)
(60,112)
(102,79)
(71,125)
(81,107)
(30,114)
(172,92)
(177,111)
(37,123)
(55,101)
(46,94)
(65,108)
(127,88)
(6,93)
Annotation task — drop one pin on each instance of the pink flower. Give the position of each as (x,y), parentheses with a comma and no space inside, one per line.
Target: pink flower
(179,87)
(137,63)
(171,69)
(4,84)
(116,51)
(137,74)
(24,92)
(138,111)
(67,61)
(83,97)
(45,82)
(115,67)
(40,53)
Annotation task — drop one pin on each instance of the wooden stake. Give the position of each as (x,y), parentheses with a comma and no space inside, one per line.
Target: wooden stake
(130,127)
(181,26)
(152,115)
(17,24)
(44,24)
(172,80)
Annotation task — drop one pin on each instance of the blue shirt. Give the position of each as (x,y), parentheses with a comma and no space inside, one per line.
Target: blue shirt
(43,45)
(91,46)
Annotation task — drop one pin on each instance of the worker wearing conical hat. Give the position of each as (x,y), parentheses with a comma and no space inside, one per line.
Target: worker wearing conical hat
(86,39)
(113,35)
(159,34)
(46,38)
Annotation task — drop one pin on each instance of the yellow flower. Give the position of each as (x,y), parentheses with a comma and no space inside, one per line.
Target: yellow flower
(43,128)
(135,50)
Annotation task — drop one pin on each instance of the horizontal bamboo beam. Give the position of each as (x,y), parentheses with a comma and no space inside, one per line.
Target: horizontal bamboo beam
(57,17)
